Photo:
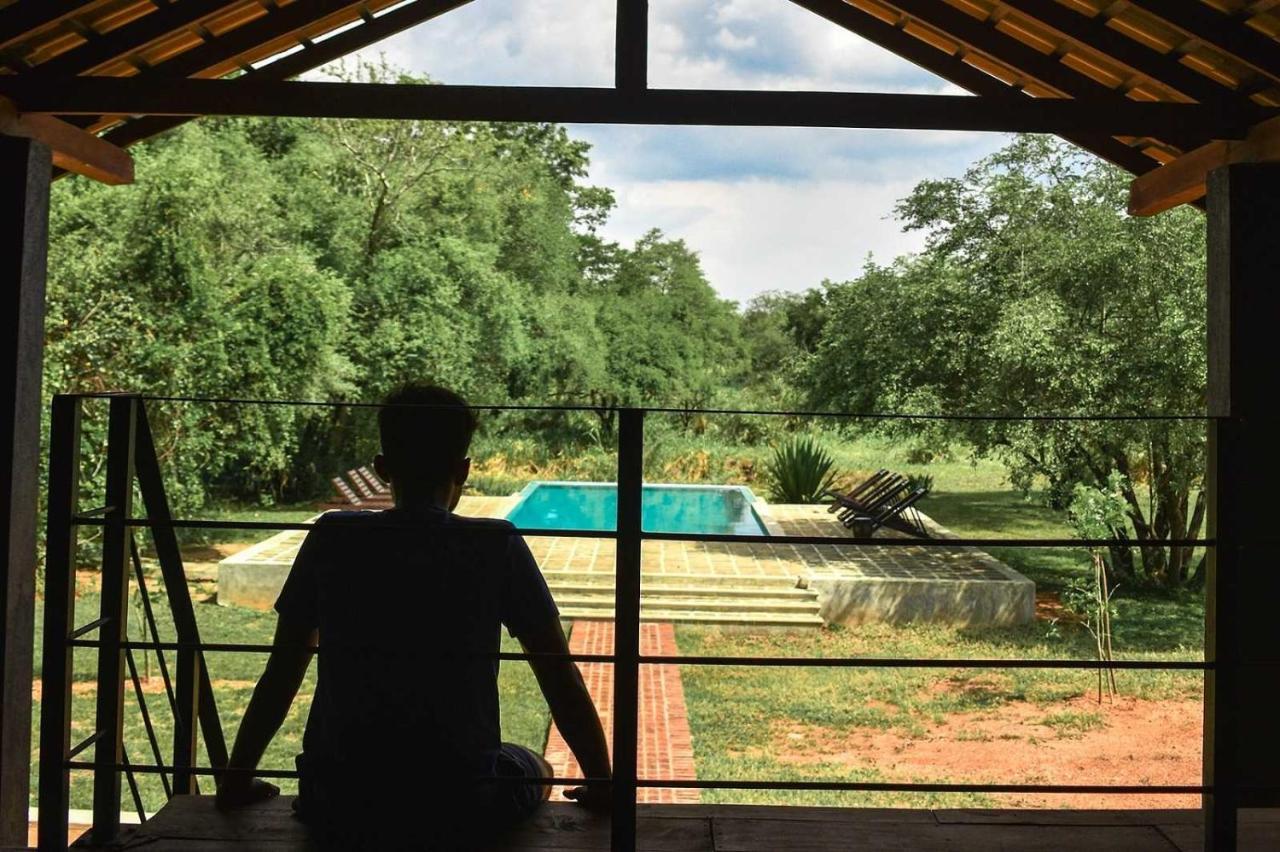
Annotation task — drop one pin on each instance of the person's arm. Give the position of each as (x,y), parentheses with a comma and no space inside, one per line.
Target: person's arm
(276,689)
(571,708)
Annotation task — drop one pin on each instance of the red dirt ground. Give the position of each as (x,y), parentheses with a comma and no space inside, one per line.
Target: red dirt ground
(1137,742)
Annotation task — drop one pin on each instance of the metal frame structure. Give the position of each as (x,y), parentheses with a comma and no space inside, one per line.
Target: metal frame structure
(189,692)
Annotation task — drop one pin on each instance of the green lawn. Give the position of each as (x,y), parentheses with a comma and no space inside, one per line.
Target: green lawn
(763,723)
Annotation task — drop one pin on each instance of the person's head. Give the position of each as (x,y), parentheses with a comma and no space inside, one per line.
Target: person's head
(426,432)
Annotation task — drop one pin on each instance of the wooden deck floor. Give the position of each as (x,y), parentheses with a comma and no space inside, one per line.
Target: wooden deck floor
(191,823)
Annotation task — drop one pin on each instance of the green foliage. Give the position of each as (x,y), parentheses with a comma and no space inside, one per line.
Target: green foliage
(800,471)
(334,260)
(1037,294)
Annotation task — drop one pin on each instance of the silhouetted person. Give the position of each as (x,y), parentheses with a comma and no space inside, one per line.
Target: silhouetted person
(402,747)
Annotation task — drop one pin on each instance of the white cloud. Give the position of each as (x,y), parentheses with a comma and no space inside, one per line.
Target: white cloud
(757,235)
(766,208)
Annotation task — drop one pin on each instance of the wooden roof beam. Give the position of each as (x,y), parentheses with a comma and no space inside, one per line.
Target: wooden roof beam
(1218,30)
(126,40)
(954,69)
(984,37)
(1094,33)
(74,150)
(1183,180)
(253,97)
(25,16)
(373,30)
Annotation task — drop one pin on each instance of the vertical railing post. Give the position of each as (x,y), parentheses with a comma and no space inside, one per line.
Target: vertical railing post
(59,610)
(626,608)
(187,691)
(631,46)
(109,750)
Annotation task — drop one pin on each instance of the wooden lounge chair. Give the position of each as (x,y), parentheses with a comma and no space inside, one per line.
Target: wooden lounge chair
(371,499)
(345,493)
(869,502)
(839,498)
(375,481)
(898,514)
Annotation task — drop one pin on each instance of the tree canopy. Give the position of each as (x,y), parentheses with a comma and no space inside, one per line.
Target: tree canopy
(335,260)
(1037,295)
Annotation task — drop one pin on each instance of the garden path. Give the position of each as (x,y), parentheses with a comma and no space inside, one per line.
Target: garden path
(665,743)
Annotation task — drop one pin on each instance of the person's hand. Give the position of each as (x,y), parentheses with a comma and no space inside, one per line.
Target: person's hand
(244,791)
(593,797)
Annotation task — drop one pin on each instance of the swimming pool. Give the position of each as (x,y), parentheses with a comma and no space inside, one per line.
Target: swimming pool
(711,509)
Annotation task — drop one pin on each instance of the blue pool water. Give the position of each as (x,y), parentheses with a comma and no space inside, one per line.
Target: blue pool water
(711,509)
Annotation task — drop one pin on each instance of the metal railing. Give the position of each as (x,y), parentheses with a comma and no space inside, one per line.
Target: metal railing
(131,457)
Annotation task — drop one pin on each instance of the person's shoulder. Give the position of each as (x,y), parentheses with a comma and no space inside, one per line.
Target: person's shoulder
(482,523)
(346,516)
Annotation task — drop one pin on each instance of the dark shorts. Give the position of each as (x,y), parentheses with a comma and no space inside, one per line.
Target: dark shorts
(412,816)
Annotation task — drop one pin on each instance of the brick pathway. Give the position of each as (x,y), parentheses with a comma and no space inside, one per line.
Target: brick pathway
(665,744)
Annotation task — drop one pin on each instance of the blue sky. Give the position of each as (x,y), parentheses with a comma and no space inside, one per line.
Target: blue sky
(766,208)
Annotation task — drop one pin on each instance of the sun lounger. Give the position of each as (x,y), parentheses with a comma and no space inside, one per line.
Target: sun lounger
(840,498)
(375,481)
(898,514)
(361,496)
(873,499)
(345,492)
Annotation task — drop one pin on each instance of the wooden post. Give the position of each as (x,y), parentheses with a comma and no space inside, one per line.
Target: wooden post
(1241,750)
(59,610)
(25,168)
(114,611)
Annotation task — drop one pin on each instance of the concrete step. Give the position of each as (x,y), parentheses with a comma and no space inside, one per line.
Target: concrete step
(751,619)
(661,588)
(693,579)
(697,604)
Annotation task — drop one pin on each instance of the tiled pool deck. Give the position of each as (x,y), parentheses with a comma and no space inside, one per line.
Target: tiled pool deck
(857,582)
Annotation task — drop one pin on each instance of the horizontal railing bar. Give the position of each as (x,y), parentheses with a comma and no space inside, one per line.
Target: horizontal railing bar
(924,787)
(853,415)
(675,660)
(158,768)
(941,543)
(539,532)
(251,648)
(91,513)
(722,784)
(88,628)
(84,744)
(926,663)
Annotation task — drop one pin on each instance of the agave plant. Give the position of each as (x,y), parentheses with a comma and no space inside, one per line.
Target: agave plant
(800,471)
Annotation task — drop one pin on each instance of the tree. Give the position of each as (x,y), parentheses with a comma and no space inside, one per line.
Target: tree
(1037,294)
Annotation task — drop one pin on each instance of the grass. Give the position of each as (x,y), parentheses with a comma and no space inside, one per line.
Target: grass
(741,718)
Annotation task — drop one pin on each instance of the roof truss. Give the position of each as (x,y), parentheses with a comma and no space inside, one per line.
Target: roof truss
(1138,83)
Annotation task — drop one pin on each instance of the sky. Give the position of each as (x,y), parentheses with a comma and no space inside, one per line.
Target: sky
(765,208)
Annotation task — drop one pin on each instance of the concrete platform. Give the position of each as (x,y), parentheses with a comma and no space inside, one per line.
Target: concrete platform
(707,582)
(191,823)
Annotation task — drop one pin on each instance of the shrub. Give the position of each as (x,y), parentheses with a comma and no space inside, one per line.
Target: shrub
(800,471)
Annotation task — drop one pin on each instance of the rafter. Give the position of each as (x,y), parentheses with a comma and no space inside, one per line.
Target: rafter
(1185,179)
(313,56)
(1197,21)
(26,16)
(128,39)
(1095,34)
(954,69)
(73,149)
